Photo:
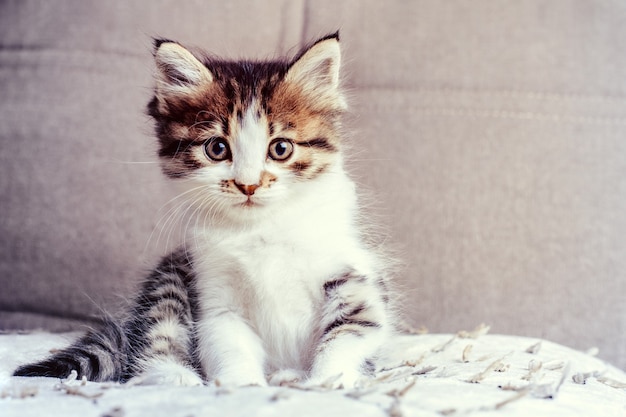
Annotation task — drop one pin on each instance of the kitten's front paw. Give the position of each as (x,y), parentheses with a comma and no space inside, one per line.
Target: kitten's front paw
(286,377)
(167,374)
(240,380)
(346,379)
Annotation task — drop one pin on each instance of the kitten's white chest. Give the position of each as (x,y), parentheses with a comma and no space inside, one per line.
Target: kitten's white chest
(284,301)
(273,277)
(278,272)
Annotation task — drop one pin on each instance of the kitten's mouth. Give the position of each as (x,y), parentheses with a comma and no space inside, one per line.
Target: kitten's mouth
(249,203)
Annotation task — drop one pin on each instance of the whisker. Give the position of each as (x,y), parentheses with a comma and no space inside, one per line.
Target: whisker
(194,216)
(166,222)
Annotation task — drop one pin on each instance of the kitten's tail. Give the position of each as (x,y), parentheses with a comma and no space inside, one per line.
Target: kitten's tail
(100,355)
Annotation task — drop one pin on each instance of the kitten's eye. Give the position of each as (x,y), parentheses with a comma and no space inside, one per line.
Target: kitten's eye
(280,149)
(217,149)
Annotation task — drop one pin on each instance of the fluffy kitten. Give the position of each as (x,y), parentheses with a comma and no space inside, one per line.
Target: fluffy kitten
(277,282)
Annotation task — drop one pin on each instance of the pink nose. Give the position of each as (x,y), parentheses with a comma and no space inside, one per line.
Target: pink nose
(247,189)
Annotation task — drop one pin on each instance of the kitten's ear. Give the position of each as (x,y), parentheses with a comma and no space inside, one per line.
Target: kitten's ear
(316,71)
(178,70)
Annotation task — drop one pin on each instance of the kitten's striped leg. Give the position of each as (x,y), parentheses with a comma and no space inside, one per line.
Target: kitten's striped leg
(354,326)
(161,327)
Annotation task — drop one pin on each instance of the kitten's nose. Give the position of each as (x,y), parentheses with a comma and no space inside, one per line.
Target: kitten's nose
(247,189)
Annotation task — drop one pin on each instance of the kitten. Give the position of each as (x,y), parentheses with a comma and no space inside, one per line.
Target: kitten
(277,280)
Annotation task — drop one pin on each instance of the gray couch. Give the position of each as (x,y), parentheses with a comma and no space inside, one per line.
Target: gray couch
(490,135)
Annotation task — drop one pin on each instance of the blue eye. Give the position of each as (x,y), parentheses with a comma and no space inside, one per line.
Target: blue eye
(217,149)
(280,149)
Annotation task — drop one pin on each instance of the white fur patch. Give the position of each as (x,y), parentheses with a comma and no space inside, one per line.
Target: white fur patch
(159,371)
(250,149)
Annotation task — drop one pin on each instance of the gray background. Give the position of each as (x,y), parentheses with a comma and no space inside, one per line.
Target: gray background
(490,135)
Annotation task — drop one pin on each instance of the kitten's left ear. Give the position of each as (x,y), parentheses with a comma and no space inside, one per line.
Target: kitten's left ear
(178,70)
(316,72)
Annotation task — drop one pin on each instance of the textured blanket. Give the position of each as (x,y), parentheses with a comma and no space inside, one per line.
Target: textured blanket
(470,373)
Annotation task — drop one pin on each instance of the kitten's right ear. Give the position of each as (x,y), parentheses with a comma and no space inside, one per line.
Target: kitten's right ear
(178,70)
(316,71)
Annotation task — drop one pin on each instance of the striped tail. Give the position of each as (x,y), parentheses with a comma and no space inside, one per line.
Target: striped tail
(100,355)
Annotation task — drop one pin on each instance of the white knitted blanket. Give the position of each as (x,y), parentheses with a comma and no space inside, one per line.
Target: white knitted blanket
(470,373)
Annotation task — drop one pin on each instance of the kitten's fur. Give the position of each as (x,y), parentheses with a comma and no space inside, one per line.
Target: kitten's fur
(277,280)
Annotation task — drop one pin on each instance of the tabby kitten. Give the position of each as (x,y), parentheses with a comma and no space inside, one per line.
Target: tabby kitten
(277,282)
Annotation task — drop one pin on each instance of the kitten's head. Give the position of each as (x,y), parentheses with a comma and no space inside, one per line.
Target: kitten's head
(247,134)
